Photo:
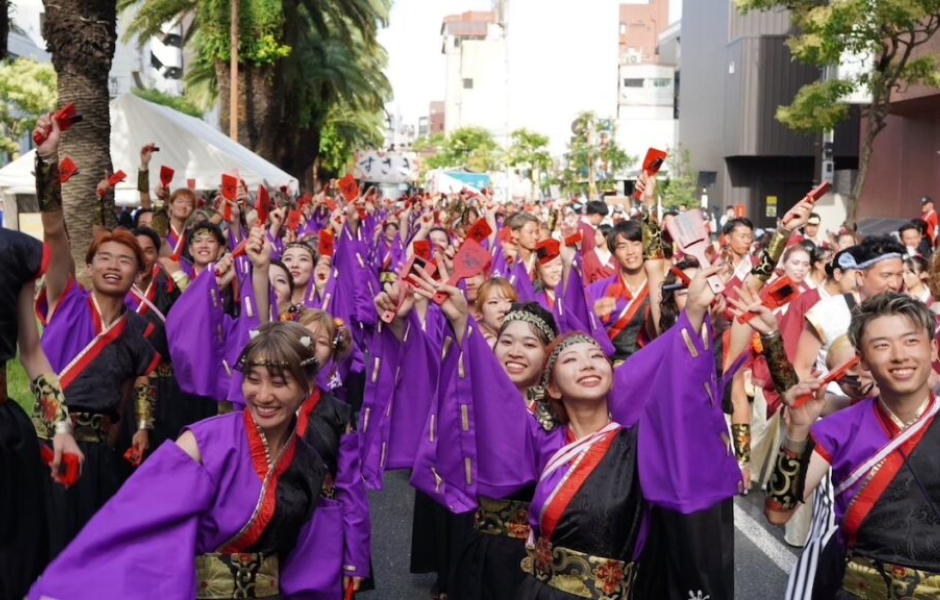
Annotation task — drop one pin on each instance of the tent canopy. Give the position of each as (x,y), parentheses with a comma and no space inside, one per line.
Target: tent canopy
(191,147)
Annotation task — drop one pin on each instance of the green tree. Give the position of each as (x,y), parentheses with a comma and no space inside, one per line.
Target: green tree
(470,148)
(528,154)
(346,132)
(178,104)
(887,30)
(681,188)
(594,159)
(298,59)
(27,90)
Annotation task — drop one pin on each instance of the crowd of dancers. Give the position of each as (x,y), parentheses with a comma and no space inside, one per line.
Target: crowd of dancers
(577,398)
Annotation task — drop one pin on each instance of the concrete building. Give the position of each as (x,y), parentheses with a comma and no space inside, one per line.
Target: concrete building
(735,70)
(905,165)
(646,84)
(475,56)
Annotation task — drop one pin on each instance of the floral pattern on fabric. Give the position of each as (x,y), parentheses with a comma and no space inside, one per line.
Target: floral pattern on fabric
(580,574)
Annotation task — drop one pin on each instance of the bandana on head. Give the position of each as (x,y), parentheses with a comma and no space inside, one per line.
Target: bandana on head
(847,262)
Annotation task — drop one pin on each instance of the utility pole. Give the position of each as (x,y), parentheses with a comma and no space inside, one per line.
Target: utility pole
(233,68)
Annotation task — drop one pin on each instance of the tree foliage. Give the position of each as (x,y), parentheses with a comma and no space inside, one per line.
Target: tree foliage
(528,154)
(345,132)
(470,148)
(302,65)
(178,104)
(681,188)
(27,90)
(594,159)
(888,31)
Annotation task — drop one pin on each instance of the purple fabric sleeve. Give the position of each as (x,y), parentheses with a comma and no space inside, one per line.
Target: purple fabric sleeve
(351,494)
(578,315)
(144,531)
(237,335)
(313,571)
(487,442)
(685,459)
(385,352)
(195,331)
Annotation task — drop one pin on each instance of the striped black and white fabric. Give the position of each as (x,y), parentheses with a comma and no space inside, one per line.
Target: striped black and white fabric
(803,576)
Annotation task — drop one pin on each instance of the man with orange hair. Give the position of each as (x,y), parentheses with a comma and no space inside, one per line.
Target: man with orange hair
(98,347)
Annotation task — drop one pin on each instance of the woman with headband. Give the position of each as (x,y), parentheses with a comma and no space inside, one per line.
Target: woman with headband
(233,507)
(614,444)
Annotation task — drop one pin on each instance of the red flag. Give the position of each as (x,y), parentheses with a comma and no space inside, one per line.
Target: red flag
(349,188)
(229,187)
(67,169)
(264,205)
(117,178)
(327,243)
(166,176)
(293,220)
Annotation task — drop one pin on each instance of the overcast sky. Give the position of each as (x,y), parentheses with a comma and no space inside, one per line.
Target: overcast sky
(413,42)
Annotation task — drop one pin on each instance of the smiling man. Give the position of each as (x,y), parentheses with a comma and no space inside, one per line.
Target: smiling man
(883,453)
(98,347)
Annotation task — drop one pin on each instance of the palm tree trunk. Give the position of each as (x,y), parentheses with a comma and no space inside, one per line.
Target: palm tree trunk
(81,35)
(259,107)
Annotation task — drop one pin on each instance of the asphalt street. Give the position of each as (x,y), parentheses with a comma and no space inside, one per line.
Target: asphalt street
(762,559)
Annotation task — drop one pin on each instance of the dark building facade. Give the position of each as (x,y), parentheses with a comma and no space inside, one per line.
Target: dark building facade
(736,70)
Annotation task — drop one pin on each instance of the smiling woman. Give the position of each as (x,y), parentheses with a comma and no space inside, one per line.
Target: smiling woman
(237,501)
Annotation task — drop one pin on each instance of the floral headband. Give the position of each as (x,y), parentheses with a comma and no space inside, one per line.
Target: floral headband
(564,343)
(532,319)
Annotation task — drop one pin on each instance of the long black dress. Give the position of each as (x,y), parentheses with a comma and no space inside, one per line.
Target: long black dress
(23,533)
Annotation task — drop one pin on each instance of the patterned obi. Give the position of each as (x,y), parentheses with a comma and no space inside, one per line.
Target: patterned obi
(870,579)
(238,575)
(506,518)
(90,428)
(580,574)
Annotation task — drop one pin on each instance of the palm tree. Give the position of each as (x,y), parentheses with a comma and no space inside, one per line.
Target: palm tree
(298,59)
(81,36)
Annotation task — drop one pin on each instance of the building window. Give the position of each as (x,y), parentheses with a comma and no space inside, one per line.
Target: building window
(661,82)
(468,83)
(633,83)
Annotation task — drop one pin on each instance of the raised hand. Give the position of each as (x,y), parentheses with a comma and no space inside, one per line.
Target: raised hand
(765,322)
(48,128)
(258,248)
(797,216)
(800,419)
(146,153)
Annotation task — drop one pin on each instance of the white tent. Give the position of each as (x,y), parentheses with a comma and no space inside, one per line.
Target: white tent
(190,146)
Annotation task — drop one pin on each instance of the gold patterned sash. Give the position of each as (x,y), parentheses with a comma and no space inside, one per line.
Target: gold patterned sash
(239,575)
(90,428)
(506,518)
(870,579)
(580,574)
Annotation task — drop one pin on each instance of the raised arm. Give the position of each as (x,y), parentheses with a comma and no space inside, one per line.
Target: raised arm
(259,251)
(143,176)
(49,193)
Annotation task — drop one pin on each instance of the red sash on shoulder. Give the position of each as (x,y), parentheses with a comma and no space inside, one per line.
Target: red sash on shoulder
(619,290)
(269,475)
(303,417)
(880,478)
(574,481)
(105,337)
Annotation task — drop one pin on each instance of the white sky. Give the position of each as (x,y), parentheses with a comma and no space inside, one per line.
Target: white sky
(413,42)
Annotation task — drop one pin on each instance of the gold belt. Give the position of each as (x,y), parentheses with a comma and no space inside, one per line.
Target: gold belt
(239,575)
(90,428)
(507,518)
(165,370)
(580,574)
(870,579)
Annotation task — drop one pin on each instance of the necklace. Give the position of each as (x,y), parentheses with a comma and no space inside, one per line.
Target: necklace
(897,420)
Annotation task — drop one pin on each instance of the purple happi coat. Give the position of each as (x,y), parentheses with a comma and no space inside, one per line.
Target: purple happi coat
(142,544)
(669,390)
